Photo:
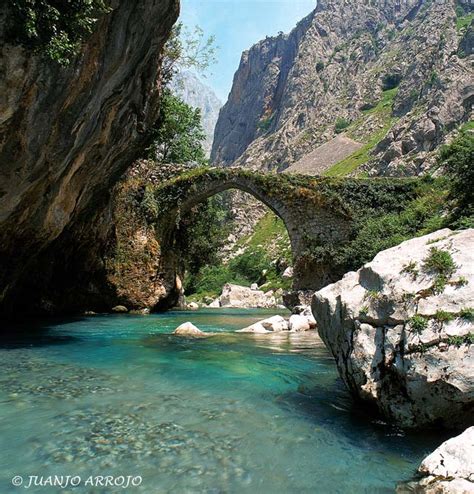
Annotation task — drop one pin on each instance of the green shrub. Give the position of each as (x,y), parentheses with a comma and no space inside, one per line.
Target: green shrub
(211,279)
(373,295)
(264,124)
(376,231)
(467,339)
(411,269)
(467,313)
(457,159)
(391,81)
(55,28)
(439,262)
(461,281)
(177,135)
(443,316)
(418,323)
(319,66)
(364,310)
(341,124)
(434,78)
(250,264)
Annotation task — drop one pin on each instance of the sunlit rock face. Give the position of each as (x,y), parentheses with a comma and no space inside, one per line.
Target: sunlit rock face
(66,135)
(400,342)
(340,63)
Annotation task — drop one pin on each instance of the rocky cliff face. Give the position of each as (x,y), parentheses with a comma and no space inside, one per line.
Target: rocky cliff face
(196,94)
(66,135)
(394,76)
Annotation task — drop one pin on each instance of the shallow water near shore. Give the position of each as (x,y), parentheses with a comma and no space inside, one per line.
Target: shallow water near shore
(232,413)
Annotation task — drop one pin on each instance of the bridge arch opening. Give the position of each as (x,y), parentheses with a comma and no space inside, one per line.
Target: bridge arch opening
(230,235)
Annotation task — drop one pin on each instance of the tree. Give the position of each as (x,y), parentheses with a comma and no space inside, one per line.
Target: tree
(177,135)
(458,161)
(186,49)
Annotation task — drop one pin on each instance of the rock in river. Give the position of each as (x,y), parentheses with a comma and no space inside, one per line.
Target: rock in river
(188,329)
(299,323)
(274,324)
(401,330)
(119,309)
(449,469)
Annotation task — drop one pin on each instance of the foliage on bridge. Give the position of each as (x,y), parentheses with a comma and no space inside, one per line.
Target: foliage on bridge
(347,196)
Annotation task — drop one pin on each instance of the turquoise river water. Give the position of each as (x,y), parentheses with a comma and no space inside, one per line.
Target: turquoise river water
(118,395)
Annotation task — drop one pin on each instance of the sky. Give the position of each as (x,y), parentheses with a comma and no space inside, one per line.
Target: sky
(237,25)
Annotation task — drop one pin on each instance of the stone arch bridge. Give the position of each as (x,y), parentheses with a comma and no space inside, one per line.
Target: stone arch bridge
(320,213)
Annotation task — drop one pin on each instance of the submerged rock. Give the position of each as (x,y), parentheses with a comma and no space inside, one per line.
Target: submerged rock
(449,469)
(188,329)
(401,339)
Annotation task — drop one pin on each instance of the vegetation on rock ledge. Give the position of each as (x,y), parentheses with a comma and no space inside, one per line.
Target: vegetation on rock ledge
(54,28)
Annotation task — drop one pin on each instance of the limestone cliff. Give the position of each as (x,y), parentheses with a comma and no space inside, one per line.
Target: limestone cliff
(395,78)
(66,135)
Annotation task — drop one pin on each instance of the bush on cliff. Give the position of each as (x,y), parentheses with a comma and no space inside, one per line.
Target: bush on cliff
(54,28)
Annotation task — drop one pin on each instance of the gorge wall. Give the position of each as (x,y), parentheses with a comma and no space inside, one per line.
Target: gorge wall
(393,78)
(66,135)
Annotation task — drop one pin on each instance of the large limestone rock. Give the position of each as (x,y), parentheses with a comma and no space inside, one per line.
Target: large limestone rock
(449,469)
(397,343)
(244,297)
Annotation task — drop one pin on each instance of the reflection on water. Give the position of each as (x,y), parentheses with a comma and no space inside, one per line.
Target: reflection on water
(120,395)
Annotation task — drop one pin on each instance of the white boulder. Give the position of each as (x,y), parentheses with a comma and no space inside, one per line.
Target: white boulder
(449,469)
(453,459)
(188,329)
(119,309)
(288,273)
(299,323)
(192,306)
(398,342)
(274,324)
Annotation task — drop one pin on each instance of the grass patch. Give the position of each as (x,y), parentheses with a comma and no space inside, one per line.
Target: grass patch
(463,20)
(383,110)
